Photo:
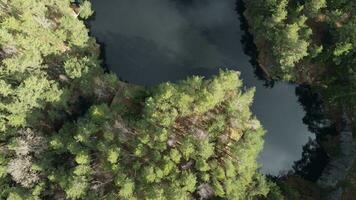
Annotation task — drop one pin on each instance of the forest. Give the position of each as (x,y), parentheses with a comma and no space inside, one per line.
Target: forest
(311,41)
(71,129)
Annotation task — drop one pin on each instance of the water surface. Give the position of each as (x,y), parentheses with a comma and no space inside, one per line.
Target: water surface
(149,42)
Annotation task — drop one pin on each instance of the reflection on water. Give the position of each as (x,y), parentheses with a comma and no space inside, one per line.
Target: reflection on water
(148,42)
(314,157)
(249,46)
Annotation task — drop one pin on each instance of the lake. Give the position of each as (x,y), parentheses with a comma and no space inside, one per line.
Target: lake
(149,42)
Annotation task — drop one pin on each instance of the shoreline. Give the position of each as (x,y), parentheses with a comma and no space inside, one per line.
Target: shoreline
(339,166)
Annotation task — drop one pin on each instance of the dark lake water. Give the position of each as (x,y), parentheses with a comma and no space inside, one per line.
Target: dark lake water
(151,41)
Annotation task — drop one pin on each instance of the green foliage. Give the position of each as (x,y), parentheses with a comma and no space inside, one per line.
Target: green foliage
(82,158)
(342,48)
(312,7)
(127,189)
(85,10)
(113,154)
(48,62)
(275,193)
(284,32)
(28,95)
(76,188)
(289,49)
(39,42)
(74,67)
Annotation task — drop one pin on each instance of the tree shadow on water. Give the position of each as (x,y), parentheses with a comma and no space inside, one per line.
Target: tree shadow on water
(314,157)
(249,46)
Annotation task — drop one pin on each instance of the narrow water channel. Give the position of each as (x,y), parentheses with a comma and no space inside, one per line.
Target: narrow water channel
(149,42)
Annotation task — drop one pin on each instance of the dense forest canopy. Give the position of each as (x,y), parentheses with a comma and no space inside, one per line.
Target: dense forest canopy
(47,62)
(309,41)
(68,130)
